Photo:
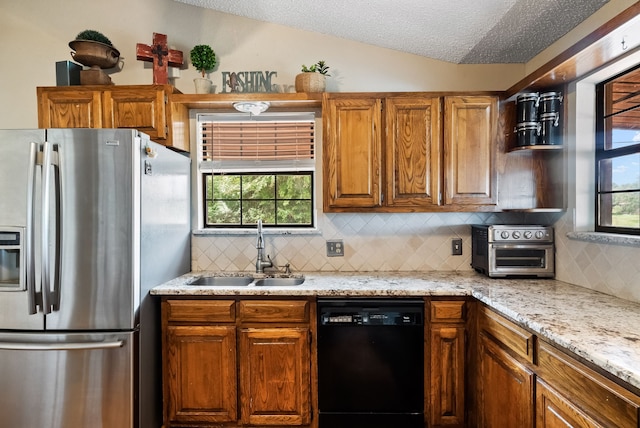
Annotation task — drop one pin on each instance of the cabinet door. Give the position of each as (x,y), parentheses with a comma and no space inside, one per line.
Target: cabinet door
(200,374)
(275,376)
(412,150)
(555,411)
(505,388)
(69,108)
(352,152)
(447,376)
(470,124)
(139,107)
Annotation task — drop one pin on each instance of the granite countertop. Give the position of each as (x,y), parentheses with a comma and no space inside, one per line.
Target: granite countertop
(599,328)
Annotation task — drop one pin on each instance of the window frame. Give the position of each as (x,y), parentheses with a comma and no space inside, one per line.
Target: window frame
(204,168)
(603,132)
(205,199)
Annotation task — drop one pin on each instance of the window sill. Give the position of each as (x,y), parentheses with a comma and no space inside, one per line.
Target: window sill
(605,238)
(265,231)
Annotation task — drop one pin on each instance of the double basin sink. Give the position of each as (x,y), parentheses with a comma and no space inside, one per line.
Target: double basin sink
(245,280)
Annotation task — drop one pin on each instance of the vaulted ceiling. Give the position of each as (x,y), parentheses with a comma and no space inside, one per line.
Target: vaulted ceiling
(457,31)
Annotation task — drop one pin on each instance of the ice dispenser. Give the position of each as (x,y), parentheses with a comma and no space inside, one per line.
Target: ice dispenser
(12,253)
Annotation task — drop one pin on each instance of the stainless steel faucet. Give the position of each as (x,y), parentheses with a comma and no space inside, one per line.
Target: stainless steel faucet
(260,262)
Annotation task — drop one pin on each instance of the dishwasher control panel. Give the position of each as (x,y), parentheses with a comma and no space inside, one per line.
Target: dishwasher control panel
(372,318)
(349,312)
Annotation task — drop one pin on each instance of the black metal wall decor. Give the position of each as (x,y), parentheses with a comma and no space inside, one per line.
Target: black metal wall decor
(248,81)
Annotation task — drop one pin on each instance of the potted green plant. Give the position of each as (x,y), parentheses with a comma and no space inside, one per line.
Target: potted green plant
(313,78)
(203,59)
(94,49)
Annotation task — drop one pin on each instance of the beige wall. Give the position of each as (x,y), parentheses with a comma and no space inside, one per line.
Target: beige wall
(34,35)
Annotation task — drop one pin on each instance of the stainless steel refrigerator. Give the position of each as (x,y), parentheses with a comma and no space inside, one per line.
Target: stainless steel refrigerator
(90,220)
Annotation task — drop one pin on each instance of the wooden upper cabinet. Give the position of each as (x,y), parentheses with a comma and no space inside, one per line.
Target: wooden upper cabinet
(470,127)
(404,152)
(141,107)
(352,152)
(412,151)
(69,108)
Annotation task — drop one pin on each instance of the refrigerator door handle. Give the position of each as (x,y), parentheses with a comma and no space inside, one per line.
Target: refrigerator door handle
(55,290)
(69,346)
(30,245)
(50,159)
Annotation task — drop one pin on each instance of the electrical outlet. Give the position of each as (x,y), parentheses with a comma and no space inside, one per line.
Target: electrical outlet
(335,248)
(456,247)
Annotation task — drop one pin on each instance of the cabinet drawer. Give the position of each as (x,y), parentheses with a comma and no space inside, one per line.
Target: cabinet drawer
(448,311)
(273,311)
(509,334)
(602,399)
(200,311)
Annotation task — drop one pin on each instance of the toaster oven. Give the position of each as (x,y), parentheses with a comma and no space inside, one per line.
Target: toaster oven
(513,250)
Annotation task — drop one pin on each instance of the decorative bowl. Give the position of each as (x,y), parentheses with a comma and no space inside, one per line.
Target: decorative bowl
(94,54)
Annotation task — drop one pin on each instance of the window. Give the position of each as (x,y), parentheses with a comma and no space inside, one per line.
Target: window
(257,167)
(618,154)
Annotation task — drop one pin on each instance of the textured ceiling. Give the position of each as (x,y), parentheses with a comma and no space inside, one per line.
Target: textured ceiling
(458,31)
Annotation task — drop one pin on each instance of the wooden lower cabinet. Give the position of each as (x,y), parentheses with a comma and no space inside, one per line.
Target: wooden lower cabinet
(505,388)
(201,374)
(445,380)
(236,363)
(523,381)
(275,376)
(555,411)
(249,362)
(584,396)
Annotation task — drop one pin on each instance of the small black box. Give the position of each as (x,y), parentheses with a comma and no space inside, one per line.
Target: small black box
(67,73)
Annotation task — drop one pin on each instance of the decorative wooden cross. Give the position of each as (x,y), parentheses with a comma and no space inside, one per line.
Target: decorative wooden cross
(161,56)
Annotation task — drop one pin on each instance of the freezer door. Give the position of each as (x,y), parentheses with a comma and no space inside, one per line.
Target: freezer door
(97,285)
(67,380)
(17,228)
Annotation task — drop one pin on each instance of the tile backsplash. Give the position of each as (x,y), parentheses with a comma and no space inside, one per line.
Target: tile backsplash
(373,242)
(610,269)
(419,242)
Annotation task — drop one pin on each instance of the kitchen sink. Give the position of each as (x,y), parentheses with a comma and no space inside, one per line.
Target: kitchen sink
(223,281)
(277,282)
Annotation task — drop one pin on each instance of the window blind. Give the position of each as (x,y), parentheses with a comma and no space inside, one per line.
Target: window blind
(271,138)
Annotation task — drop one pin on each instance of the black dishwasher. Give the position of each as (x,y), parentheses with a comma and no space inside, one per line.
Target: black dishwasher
(371,363)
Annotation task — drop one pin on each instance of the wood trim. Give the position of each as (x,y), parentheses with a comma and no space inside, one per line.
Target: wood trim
(600,47)
(296,101)
(286,311)
(200,311)
(448,311)
(513,337)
